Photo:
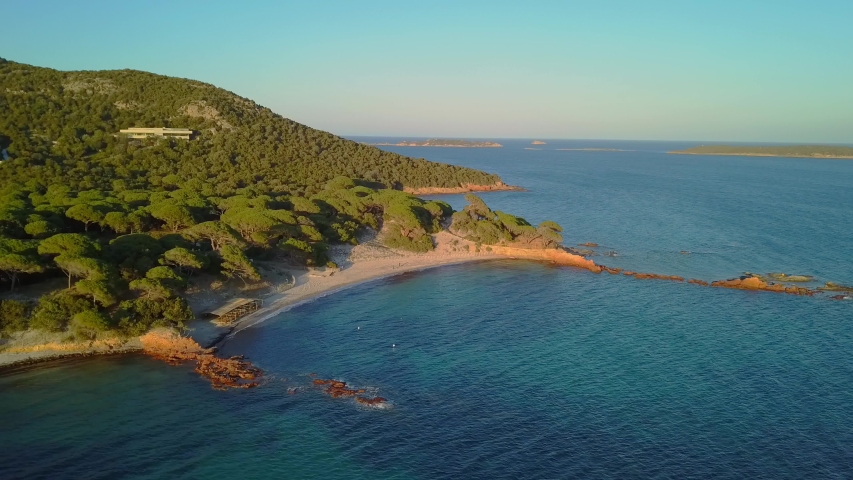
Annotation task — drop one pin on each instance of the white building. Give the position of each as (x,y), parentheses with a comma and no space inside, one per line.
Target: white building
(158,132)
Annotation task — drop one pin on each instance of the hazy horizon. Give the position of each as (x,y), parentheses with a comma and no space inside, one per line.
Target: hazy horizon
(723,72)
(649,140)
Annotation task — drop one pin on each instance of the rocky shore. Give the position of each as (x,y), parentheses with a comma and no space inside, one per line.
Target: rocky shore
(467,188)
(368,261)
(223,373)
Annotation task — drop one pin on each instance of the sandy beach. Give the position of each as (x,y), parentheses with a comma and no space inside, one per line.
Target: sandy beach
(367,261)
(286,287)
(362,263)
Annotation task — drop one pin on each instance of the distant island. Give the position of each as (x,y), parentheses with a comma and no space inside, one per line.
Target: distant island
(596,150)
(441,142)
(797,151)
(537,142)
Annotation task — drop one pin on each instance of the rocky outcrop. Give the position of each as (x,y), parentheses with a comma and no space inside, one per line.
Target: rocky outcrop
(557,256)
(695,281)
(588,244)
(755,283)
(339,389)
(223,373)
(466,188)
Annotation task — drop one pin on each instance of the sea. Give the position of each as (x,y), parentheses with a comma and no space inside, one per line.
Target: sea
(516,369)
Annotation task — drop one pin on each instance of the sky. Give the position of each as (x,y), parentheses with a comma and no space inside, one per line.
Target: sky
(721,70)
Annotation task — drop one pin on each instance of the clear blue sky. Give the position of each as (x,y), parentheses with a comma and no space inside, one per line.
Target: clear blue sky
(770,70)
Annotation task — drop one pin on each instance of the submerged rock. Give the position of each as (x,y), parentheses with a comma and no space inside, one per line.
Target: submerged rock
(588,244)
(784,277)
(337,389)
(836,287)
(371,402)
(654,276)
(698,282)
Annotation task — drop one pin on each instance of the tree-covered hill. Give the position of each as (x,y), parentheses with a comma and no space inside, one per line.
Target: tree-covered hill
(62,127)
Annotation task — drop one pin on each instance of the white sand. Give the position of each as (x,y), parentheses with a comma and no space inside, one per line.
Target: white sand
(365,262)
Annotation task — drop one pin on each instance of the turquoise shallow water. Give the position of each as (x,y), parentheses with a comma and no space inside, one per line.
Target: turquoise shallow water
(513,369)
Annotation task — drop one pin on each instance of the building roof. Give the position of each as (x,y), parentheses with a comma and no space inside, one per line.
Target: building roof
(156,130)
(236,303)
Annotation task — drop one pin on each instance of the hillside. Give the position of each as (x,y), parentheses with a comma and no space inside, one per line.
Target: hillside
(62,126)
(802,151)
(103,236)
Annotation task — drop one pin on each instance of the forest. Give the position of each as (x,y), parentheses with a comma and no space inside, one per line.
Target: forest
(63,127)
(126,223)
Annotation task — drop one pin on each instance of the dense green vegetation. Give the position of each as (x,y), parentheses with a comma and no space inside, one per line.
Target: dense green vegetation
(126,255)
(115,228)
(62,127)
(126,222)
(478,223)
(811,151)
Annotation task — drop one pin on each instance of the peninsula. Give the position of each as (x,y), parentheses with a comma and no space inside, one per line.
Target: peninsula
(794,151)
(441,142)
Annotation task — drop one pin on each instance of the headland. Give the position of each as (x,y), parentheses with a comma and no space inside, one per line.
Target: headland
(791,151)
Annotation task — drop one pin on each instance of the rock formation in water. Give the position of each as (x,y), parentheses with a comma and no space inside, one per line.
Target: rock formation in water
(338,389)
(755,283)
(836,287)
(371,402)
(223,373)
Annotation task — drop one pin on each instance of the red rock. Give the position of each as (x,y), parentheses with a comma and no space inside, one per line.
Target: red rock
(698,282)
(755,283)
(612,271)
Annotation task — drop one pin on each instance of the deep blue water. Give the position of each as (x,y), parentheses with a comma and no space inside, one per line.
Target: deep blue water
(513,369)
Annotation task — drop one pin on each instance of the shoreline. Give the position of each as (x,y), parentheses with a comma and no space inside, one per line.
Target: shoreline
(469,188)
(816,157)
(10,362)
(358,274)
(363,263)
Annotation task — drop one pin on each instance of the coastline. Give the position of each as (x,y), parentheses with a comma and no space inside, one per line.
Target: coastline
(816,157)
(310,289)
(366,262)
(362,263)
(468,188)
(42,353)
